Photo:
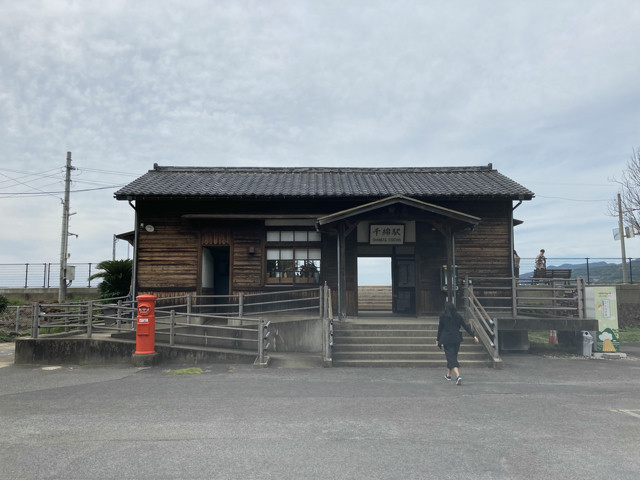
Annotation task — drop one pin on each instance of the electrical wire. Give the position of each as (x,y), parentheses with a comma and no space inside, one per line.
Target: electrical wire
(32,194)
(42,192)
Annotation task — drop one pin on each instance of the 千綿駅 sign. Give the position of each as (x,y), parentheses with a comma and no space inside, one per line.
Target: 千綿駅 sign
(386,234)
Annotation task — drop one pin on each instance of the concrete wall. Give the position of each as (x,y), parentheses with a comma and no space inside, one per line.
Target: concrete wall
(48,295)
(83,351)
(297,336)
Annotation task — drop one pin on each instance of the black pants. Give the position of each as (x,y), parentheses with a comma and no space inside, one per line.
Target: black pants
(451,352)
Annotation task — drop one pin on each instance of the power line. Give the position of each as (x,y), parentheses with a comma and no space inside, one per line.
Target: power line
(29,186)
(42,177)
(572,199)
(32,194)
(110,172)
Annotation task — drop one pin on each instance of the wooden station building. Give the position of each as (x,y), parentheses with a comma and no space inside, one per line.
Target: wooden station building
(225,231)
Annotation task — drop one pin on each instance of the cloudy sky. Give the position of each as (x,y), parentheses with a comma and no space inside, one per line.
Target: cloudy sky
(546,91)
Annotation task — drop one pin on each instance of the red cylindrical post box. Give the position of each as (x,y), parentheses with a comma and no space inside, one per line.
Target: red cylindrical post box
(146,325)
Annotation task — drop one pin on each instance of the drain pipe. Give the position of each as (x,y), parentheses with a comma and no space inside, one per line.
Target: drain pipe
(134,269)
(513,239)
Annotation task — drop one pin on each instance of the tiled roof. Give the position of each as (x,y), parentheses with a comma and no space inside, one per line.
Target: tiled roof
(238,182)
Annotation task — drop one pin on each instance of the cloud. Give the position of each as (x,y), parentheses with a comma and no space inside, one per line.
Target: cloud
(547,92)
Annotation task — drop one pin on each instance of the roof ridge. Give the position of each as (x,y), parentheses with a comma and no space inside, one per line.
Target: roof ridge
(177,168)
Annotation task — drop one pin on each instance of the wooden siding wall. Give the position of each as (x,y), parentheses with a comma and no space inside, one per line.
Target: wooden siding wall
(168,256)
(247,269)
(487,251)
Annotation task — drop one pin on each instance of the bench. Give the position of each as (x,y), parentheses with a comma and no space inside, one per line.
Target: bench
(557,273)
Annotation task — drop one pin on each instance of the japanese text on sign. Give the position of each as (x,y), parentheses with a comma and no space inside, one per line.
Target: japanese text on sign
(386,234)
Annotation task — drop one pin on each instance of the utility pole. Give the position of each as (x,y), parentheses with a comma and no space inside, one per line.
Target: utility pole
(621,229)
(64,240)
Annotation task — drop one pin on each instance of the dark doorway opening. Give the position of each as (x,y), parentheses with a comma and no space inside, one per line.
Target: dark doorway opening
(215,272)
(404,285)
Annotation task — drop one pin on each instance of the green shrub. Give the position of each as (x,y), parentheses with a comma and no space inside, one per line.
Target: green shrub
(116,278)
(3,303)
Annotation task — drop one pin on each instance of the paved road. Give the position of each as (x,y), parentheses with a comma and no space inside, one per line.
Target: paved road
(539,418)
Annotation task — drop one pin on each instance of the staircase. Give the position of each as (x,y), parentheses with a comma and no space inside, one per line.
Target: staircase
(372,344)
(374,298)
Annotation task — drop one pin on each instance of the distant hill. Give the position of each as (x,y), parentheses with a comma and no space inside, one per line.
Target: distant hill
(599,272)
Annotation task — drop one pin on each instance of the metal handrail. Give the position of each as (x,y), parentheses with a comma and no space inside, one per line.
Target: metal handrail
(114,315)
(530,295)
(481,322)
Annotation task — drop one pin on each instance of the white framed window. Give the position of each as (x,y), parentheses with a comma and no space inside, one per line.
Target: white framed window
(293,256)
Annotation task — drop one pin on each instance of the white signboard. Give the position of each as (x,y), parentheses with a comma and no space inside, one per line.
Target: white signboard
(386,234)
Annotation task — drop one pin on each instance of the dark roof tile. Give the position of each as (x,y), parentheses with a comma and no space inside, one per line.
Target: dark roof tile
(234,182)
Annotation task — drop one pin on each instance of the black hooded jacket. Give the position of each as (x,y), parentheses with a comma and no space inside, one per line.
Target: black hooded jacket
(449,328)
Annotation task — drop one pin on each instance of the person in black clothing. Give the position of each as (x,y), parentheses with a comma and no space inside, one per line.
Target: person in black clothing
(450,337)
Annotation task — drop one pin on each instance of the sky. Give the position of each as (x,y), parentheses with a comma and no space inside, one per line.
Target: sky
(547,92)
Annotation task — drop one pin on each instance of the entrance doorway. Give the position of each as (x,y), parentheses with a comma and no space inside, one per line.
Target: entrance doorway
(374,285)
(387,284)
(215,271)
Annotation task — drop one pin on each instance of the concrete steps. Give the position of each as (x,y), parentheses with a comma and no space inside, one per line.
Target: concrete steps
(374,298)
(398,345)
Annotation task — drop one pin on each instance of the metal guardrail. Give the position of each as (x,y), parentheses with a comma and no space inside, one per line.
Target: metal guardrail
(115,315)
(489,297)
(44,275)
(185,320)
(529,297)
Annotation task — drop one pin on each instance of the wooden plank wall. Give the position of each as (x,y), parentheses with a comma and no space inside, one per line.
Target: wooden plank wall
(247,269)
(168,256)
(487,251)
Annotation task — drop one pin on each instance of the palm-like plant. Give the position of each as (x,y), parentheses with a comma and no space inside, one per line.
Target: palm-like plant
(116,278)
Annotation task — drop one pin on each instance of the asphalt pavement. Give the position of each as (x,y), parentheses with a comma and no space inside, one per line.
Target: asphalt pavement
(538,418)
